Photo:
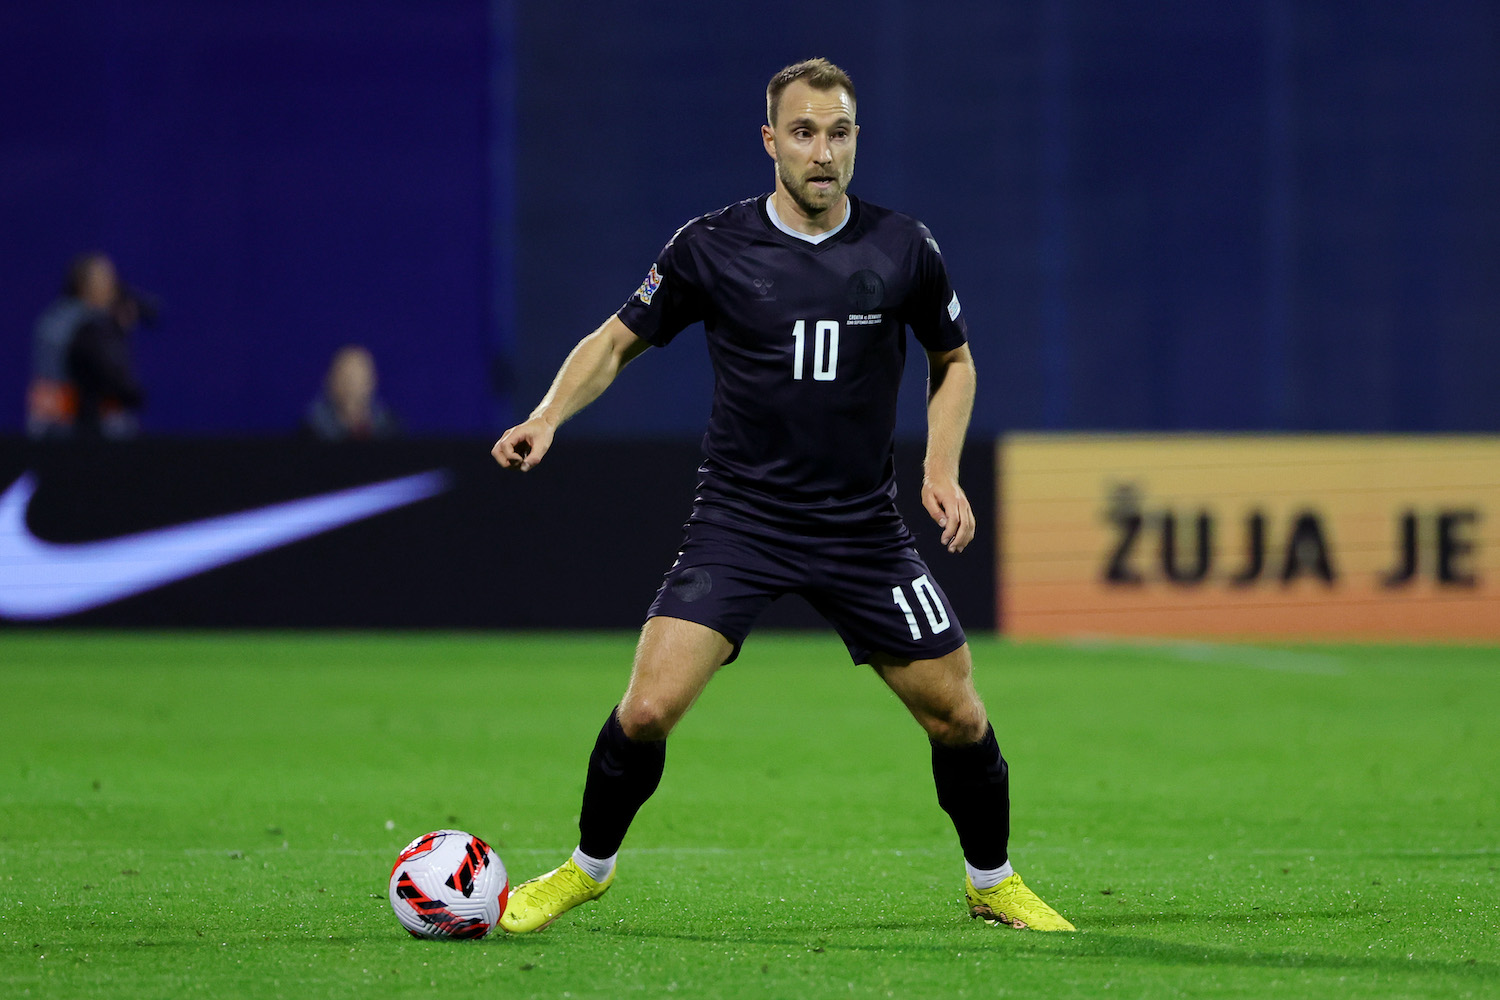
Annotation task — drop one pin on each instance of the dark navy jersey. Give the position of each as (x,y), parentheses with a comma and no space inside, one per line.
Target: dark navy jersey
(808,343)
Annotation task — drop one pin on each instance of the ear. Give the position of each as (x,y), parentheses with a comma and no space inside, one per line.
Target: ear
(768,139)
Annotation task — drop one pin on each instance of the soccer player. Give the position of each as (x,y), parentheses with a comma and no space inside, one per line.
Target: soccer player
(805,295)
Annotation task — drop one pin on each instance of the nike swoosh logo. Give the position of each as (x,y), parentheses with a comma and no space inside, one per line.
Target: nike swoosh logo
(40,579)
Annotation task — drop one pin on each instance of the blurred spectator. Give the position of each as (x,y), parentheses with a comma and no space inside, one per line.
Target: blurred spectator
(83,380)
(347,409)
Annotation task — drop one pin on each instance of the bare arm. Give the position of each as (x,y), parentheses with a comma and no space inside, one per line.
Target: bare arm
(588,370)
(950,401)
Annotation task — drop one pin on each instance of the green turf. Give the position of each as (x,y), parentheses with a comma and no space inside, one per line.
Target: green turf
(216,815)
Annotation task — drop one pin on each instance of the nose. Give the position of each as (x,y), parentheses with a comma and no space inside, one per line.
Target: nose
(822,150)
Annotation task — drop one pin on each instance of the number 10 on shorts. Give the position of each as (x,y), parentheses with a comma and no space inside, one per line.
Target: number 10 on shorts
(932,607)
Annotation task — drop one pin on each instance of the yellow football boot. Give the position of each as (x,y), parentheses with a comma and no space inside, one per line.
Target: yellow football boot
(1012,904)
(534,905)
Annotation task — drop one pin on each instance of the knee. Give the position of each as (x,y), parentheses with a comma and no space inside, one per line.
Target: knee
(646,719)
(963,725)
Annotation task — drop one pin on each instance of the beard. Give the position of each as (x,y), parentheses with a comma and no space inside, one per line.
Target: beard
(812,201)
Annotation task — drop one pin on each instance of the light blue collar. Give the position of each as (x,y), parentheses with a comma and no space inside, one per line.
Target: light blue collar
(808,237)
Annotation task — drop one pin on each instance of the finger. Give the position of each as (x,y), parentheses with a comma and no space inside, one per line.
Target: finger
(934,507)
(965,533)
(951,519)
(951,523)
(512,449)
(529,453)
(943,511)
(505,450)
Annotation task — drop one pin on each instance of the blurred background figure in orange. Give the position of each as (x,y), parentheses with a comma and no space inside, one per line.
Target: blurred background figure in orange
(83,379)
(347,409)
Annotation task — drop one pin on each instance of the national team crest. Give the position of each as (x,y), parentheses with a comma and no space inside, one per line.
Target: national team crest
(649,286)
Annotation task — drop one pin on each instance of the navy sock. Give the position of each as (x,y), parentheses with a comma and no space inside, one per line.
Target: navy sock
(622,775)
(973,787)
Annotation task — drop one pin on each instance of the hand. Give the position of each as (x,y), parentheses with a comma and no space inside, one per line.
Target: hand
(949,506)
(524,445)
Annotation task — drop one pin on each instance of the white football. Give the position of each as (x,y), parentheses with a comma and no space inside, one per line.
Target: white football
(448,884)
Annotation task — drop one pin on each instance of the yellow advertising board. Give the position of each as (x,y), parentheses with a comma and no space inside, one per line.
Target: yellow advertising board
(1316,537)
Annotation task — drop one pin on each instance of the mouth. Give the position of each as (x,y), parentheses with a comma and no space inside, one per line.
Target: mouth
(822,182)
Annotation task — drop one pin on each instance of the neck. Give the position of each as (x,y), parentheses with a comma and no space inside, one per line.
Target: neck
(792,214)
(352,411)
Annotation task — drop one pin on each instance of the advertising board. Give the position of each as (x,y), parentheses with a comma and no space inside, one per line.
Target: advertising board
(282,533)
(1296,536)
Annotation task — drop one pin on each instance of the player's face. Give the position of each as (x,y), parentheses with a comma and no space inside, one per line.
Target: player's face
(813,146)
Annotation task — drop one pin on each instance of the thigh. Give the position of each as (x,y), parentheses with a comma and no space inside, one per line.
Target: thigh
(723,579)
(939,693)
(882,600)
(674,661)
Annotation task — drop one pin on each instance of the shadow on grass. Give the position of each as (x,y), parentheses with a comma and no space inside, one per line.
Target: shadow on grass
(198,942)
(1176,953)
(1128,919)
(1087,944)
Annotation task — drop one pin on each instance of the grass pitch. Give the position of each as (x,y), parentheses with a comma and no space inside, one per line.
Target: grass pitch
(216,815)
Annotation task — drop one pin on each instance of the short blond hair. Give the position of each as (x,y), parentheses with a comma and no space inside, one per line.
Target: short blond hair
(820,74)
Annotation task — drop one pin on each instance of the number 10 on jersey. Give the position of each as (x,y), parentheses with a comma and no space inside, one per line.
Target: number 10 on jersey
(932,607)
(825,365)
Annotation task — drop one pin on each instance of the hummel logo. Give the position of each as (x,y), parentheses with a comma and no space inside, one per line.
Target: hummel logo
(41,579)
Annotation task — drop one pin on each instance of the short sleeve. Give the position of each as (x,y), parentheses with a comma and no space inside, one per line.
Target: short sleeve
(669,299)
(933,311)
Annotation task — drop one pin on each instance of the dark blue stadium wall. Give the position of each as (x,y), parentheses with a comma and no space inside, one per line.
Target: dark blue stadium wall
(1251,215)
(287,176)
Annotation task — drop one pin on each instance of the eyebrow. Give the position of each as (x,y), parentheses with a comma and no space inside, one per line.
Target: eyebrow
(842,120)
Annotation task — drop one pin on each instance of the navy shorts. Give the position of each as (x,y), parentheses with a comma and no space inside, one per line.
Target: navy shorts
(875,591)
